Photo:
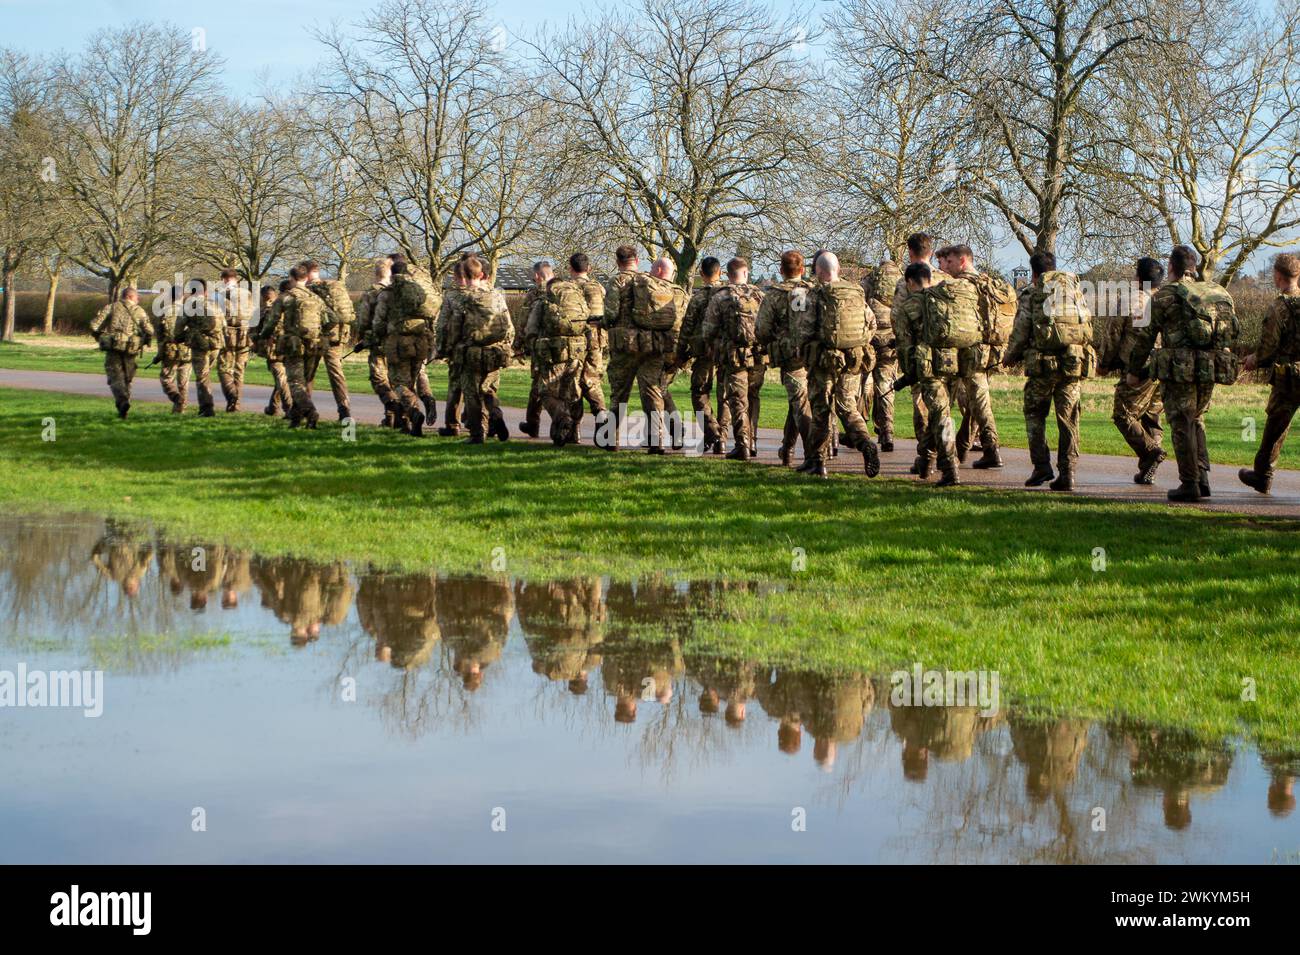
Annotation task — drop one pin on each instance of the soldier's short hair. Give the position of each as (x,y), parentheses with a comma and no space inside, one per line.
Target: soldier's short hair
(710,266)
(1287,264)
(541,265)
(817,256)
(943,252)
(625,254)
(791,263)
(473,267)
(286,284)
(920,244)
(579,262)
(267,292)
(1040,263)
(396,257)
(127,290)
(918,273)
(310,265)
(736,264)
(298,273)
(1183,259)
(1150,272)
(961,251)
(400,268)
(229,274)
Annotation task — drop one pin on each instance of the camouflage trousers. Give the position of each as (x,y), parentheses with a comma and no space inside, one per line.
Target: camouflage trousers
(333,360)
(798,416)
(281,397)
(230,370)
(834,387)
(921,423)
(1137,413)
(202,362)
(1185,407)
(300,370)
(377,367)
(625,373)
(1042,393)
(1283,402)
(119,367)
(941,437)
(455,397)
(652,381)
(703,373)
(592,380)
(878,393)
(406,356)
(743,388)
(174,376)
(561,397)
(533,410)
(479,389)
(976,404)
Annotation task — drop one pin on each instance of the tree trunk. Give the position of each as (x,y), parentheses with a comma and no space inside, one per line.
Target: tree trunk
(47,324)
(10,303)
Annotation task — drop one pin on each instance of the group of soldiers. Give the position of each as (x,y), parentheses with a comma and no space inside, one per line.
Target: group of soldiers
(841,348)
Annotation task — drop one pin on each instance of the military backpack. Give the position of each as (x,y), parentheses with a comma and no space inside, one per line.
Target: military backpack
(119,331)
(342,315)
(1206,317)
(842,315)
(566,311)
(997,308)
(487,317)
(950,316)
(656,304)
(741,303)
(1059,314)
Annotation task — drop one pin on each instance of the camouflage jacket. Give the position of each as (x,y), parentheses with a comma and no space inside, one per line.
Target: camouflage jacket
(370,328)
(202,325)
(170,349)
(690,343)
(775,324)
(1279,340)
(1120,334)
(1165,309)
(133,328)
(617,309)
(713,328)
(534,309)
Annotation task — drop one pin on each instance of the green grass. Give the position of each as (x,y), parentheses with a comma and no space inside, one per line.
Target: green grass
(1190,603)
(1224,425)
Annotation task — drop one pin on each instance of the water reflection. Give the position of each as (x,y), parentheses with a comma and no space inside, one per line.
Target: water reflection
(612,658)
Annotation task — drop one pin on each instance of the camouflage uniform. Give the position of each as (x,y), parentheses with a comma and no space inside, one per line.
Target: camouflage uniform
(202,326)
(173,357)
(654,354)
(878,387)
(401,612)
(534,301)
(372,333)
(925,450)
(776,333)
(935,390)
(978,409)
(1137,408)
(834,374)
(559,349)
(564,625)
(298,340)
(617,323)
(474,615)
(1279,351)
(591,382)
(455,398)
(237,342)
(743,362)
(691,347)
(266,343)
(122,331)
(408,309)
(477,316)
(122,561)
(336,336)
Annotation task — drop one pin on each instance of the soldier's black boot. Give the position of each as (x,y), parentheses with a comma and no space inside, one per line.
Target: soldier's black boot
(122,409)
(1148,466)
(430,409)
(808,466)
(887,442)
(230,407)
(819,470)
(1063,483)
(871,458)
(989,459)
(560,431)
(783,455)
(294,420)
(1040,477)
(497,428)
(448,431)
(416,427)
(531,430)
(1187,491)
(313,419)
(1254,479)
(948,478)
(344,412)
(925,466)
(269,410)
(474,438)
(1204,484)
(739,453)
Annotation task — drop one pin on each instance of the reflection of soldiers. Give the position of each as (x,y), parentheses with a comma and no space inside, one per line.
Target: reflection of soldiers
(197,568)
(636,670)
(236,578)
(1178,765)
(734,682)
(564,624)
(1050,752)
(303,595)
(401,612)
(1283,769)
(474,615)
(834,708)
(946,732)
(121,561)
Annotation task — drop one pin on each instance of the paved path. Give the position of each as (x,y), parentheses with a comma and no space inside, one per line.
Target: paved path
(1098,475)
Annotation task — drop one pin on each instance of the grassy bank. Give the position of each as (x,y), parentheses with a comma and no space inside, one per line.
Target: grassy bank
(1187,606)
(1229,441)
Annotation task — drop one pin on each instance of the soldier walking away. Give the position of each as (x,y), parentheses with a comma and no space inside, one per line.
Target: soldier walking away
(336,332)
(534,304)
(173,354)
(408,309)
(1137,410)
(266,344)
(479,336)
(730,328)
(592,380)
(122,331)
(693,350)
(371,335)
(1197,325)
(299,340)
(835,331)
(557,338)
(920,247)
(1052,335)
(657,308)
(878,387)
(236,302)
(776,333)
(1279,352)
(997,307)
(202,326)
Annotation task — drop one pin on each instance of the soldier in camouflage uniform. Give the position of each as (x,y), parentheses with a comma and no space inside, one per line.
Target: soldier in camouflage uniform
(401,612)
(1197,323)
(479,337)
(122,331)
(1279,352)
(878,387)
(657,307)
(455,397)
(236,302)
(591,381)
(919,249)
(934,386)
(834,329)
(408,309)
(556,336)
(1137,409)
(617,323)
(298,339)
(730,331)
(266,344)
(173,354)
(336,333)
(534,303)
(694,350)
(1052,335)
(974,375)
(371,336)
(474,612)
(776,334)
(202,326)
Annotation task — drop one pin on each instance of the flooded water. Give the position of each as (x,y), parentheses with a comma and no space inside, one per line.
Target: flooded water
(271,710)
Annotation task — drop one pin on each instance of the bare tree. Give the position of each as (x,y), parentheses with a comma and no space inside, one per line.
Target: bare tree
(131,111)
(1209,133)
(690,120)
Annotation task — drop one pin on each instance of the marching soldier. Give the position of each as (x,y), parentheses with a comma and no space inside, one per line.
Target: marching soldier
(776,333)
(298,331)
(122,331)
(692,348)
(336,332)
(173,354)
(371,335)
(236,302)
(591,381)
(1279,352)
(479,336)
(202,326)
(997,302)
(266,344)
(534,304)
(730,330)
